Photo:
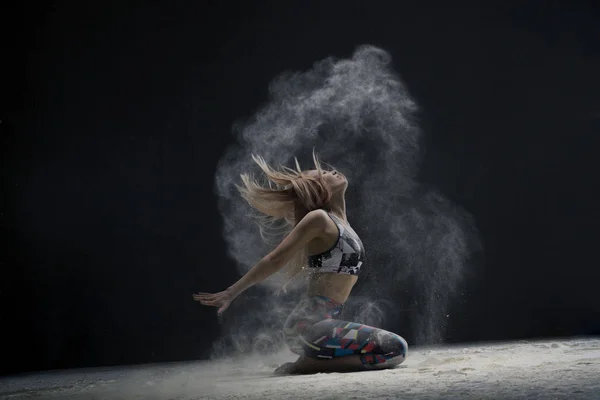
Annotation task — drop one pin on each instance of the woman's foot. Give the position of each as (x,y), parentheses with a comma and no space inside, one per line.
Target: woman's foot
(303,365)
(307,365)
(285,369)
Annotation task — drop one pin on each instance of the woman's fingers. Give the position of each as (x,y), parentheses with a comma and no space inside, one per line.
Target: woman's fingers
(209,301)
(204,294)
(220,300)
(212,299)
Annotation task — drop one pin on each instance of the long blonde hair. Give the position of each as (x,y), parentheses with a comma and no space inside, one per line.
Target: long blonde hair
(283,200)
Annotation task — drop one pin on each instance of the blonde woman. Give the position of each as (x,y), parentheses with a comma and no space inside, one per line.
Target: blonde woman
(321,240)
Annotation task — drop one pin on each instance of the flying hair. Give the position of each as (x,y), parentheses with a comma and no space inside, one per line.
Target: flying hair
(282,200)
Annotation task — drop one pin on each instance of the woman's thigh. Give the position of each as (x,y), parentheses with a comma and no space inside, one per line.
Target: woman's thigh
(336,338)
(313,330)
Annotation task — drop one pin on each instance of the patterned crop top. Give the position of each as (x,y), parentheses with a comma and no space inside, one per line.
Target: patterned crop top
(345,257)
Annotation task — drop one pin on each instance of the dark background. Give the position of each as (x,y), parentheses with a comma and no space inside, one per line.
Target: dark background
(114,116)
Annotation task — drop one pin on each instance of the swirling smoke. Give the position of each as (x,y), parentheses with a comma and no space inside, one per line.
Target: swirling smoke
(358,116)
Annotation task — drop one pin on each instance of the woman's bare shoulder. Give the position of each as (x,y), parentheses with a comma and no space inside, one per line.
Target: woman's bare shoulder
(317,217)
(319,220)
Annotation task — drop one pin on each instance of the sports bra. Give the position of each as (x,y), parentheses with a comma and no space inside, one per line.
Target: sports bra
(345,257)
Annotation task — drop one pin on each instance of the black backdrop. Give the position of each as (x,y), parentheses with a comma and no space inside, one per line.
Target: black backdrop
(114,117)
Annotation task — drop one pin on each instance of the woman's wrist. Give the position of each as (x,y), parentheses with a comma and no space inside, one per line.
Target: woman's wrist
(231,290)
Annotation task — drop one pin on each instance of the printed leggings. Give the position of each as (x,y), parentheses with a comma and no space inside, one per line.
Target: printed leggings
(312,330)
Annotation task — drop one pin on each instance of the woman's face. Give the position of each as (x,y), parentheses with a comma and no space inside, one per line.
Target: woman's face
(334,179)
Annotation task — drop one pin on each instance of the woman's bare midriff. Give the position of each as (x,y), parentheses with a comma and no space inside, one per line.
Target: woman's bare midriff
(336,287)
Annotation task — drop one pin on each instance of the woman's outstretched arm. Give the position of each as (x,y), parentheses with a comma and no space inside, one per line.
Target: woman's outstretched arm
(309,228)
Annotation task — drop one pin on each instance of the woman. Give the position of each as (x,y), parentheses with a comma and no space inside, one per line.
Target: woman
(321,241)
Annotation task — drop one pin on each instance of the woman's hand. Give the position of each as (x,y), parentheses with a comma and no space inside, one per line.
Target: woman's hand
(220,300)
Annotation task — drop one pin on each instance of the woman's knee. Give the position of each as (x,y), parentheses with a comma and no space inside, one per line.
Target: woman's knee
(294,331)
(290,331)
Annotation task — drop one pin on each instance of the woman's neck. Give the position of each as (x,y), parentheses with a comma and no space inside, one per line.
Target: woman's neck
(337,206)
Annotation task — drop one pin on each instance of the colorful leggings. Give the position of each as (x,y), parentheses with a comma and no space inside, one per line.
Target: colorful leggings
(312,330)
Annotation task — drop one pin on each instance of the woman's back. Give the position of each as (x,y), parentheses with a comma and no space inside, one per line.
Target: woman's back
(336,286)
